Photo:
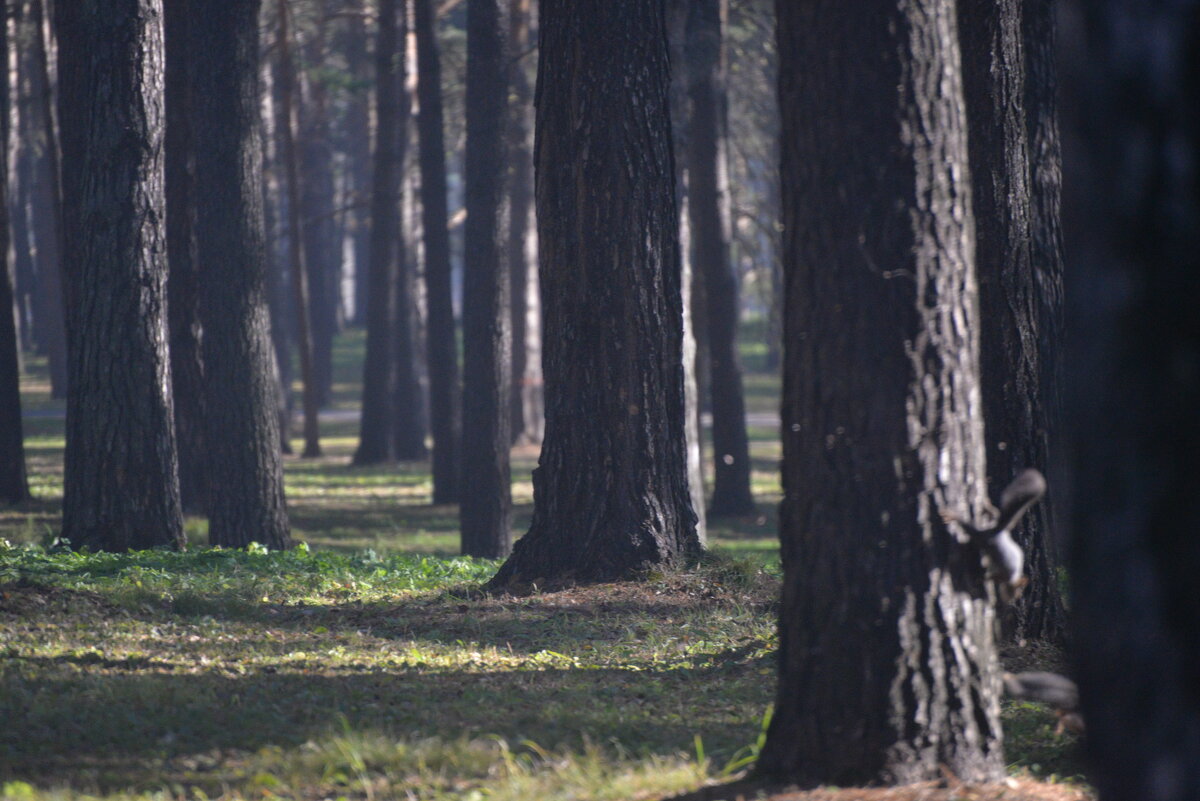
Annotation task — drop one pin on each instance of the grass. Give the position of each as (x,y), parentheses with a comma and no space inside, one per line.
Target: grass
(366,664)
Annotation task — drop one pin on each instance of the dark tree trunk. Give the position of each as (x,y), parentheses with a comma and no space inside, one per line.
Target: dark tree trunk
(1132,220)
(14,487)
(243,427)
(357,135)
(610,490)
(50,210)
(1011,349)
(322,256)
(287,124)
(183,280)
(710,256)
(376,443)
(485,512)
(445,394)
(526,378)
(120,485)
(411,424)
(888,665)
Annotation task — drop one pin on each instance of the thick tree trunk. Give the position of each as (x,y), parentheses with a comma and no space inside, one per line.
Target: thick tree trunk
(287,125)
(183,280)
(710,256)
(1132,220)
(120,485)
(485,512)
(1011,350)
(610,490)
(49,209)
(376,443)
(243,427)
(14,487)
(445,393)
(357,138)
(888,665)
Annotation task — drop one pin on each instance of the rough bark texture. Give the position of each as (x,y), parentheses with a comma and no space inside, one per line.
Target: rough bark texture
(243,427)
(1011,341)
(14,487)
(522,247)
(376,443)
(485,512)
(710,256)
(1132,219)
(120,485)
(49,212)
(445,394)
(610,490)
(888,665)
(183,280)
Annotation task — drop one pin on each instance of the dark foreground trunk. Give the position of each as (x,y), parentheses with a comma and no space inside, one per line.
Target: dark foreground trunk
(710,257)
(487,339)
(445,394)
(120,485)
(14,487)
(1133,250)
(888,665)
(243,427)
(1010,292)
(610,490)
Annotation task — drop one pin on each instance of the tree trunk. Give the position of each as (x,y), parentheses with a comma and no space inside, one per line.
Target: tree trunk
(376,443)
(710,256)
(1009,292)
(445,394)
(14,487)
(183,280)
(1132,220)
(526,377)
(243,428)
(888,665)
(485,512)
(120,485)
(322,256)
(51,264)
(357,137)
(287,125)
(409,404)
(610,490)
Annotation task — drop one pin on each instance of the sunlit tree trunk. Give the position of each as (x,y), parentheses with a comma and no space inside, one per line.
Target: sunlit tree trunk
(888,664)
(120,484)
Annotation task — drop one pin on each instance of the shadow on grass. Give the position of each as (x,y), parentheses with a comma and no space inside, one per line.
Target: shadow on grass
(110,731)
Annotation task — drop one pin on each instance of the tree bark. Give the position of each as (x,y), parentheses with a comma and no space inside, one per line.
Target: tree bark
(376,443)
(445,393)
(610,490)
(710,256)
(14,487)
(1011,349)
(243,427)
(485,512)
(287,125)
(888,665)
(183,279)
(120,485)
(357,137)
(1132,220)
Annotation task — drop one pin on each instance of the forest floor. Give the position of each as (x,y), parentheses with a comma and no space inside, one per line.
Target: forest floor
(365,664)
